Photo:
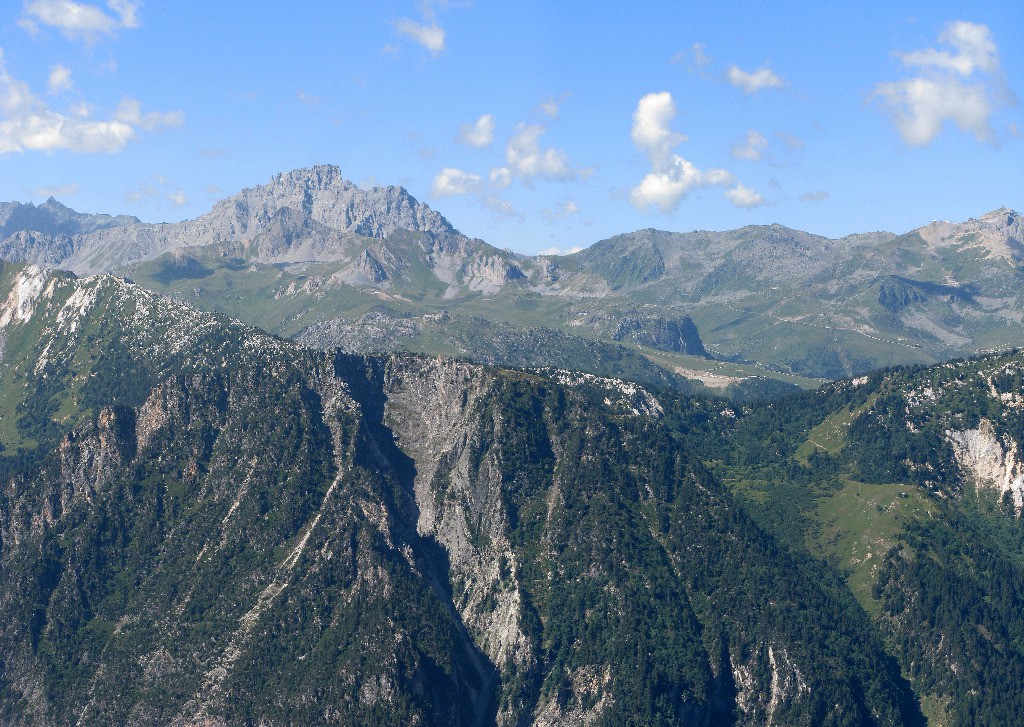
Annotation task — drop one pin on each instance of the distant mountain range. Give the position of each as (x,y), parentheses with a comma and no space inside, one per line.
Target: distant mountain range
(310,253)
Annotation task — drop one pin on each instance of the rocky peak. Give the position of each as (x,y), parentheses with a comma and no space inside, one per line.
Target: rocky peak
(324,196)
(54,218)
(997,234)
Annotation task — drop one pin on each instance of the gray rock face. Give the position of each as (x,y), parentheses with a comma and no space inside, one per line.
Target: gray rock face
(304,215)
(788,300)
(318,195)
(53,218)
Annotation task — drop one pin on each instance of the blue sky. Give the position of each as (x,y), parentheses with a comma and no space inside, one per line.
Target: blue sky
(532,125)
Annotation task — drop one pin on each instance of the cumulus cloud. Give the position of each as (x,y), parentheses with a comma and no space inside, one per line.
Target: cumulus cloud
(752,147)
(754,81)
(480,134)
(742,196)
(528,160)
(819,196)
(696,59)
(501,177)
(550,108)
(430,36)
(60,80)
(959,84)
(27,124)
(130,112)
(651,130)
(498,206)
(671,177)
(922,106)
(452,182)
(178,198)
(792,143)
(973,50)
(561,211)
(701,59)
(560,251)
(552,105)
(666,188)
(80,21)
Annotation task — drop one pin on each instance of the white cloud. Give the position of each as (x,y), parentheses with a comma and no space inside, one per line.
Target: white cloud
(498,206)
(480,134)
(550,108)
(696,58)
(671,177)
(60,190)
(563,210)
(130,112)
(60,80)
(560,251)
(793,143)
(527,159)
(666,188)
(27,124)
(957,86)
(451,182)
(752,148)
(429,36)
(701,59)
(178,198)
(501,177)
(80,21)
(921,106)
(819,196)
(742,196)
(651,130)
(755,81)
(974,50)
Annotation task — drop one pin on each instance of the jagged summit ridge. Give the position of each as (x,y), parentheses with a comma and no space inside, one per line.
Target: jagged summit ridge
(323,195)
(303,215)
(996,234)
(55,218)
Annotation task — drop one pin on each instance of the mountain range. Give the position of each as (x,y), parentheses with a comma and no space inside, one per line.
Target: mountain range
(233,493)
(311,254)
(204,524)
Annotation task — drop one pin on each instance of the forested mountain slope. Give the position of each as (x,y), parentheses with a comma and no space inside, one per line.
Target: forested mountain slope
(201,523)
(908,482)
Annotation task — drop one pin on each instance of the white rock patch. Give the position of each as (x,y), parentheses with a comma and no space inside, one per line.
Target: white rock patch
(990,462)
